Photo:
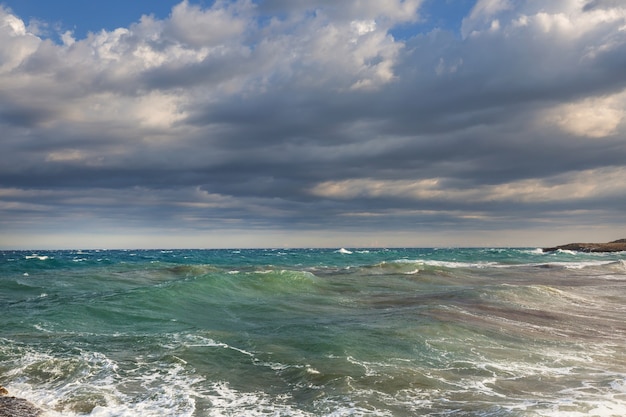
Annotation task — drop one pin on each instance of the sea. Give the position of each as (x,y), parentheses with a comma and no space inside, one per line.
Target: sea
(315,332)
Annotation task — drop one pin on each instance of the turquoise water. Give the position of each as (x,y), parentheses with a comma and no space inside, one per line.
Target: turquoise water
(319,332)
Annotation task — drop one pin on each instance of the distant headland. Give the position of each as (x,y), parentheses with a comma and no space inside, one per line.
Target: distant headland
(615,246)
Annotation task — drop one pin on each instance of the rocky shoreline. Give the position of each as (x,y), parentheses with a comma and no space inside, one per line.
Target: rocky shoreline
(16,407)
(614,246)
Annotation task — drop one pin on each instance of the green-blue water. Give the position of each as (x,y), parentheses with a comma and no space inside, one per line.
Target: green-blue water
(379,332)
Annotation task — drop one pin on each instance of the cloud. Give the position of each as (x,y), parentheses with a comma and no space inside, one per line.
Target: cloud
(275,115)
(583,185)
(602,4)
(17,42)
(391,12)
(489,8)
(483,13)
(592,117)
(220,24)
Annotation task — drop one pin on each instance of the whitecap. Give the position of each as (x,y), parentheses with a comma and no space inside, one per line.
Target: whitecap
(448,264)
(312,371)
(536,251)
(344,251)
(36,256)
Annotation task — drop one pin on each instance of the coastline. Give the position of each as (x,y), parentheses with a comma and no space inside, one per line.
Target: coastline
(614,246)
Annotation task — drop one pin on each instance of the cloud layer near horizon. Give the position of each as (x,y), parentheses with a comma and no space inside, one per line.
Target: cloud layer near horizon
(276,116)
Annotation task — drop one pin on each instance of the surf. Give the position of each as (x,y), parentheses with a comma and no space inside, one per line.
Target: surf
(314,332)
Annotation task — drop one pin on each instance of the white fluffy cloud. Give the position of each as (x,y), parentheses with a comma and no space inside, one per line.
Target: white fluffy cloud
(221,24)
(569,19)
(17,42)
(219,50)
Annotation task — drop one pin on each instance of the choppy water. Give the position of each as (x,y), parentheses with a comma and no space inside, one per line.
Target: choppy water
(399,332)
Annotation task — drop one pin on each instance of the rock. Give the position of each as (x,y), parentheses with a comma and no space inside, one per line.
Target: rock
(16,407)
(615,246)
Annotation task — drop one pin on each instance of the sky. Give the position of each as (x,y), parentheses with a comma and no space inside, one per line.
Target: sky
(275,123)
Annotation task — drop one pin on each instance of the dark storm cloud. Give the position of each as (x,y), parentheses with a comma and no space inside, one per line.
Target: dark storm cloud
(319,119)
(15,115)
